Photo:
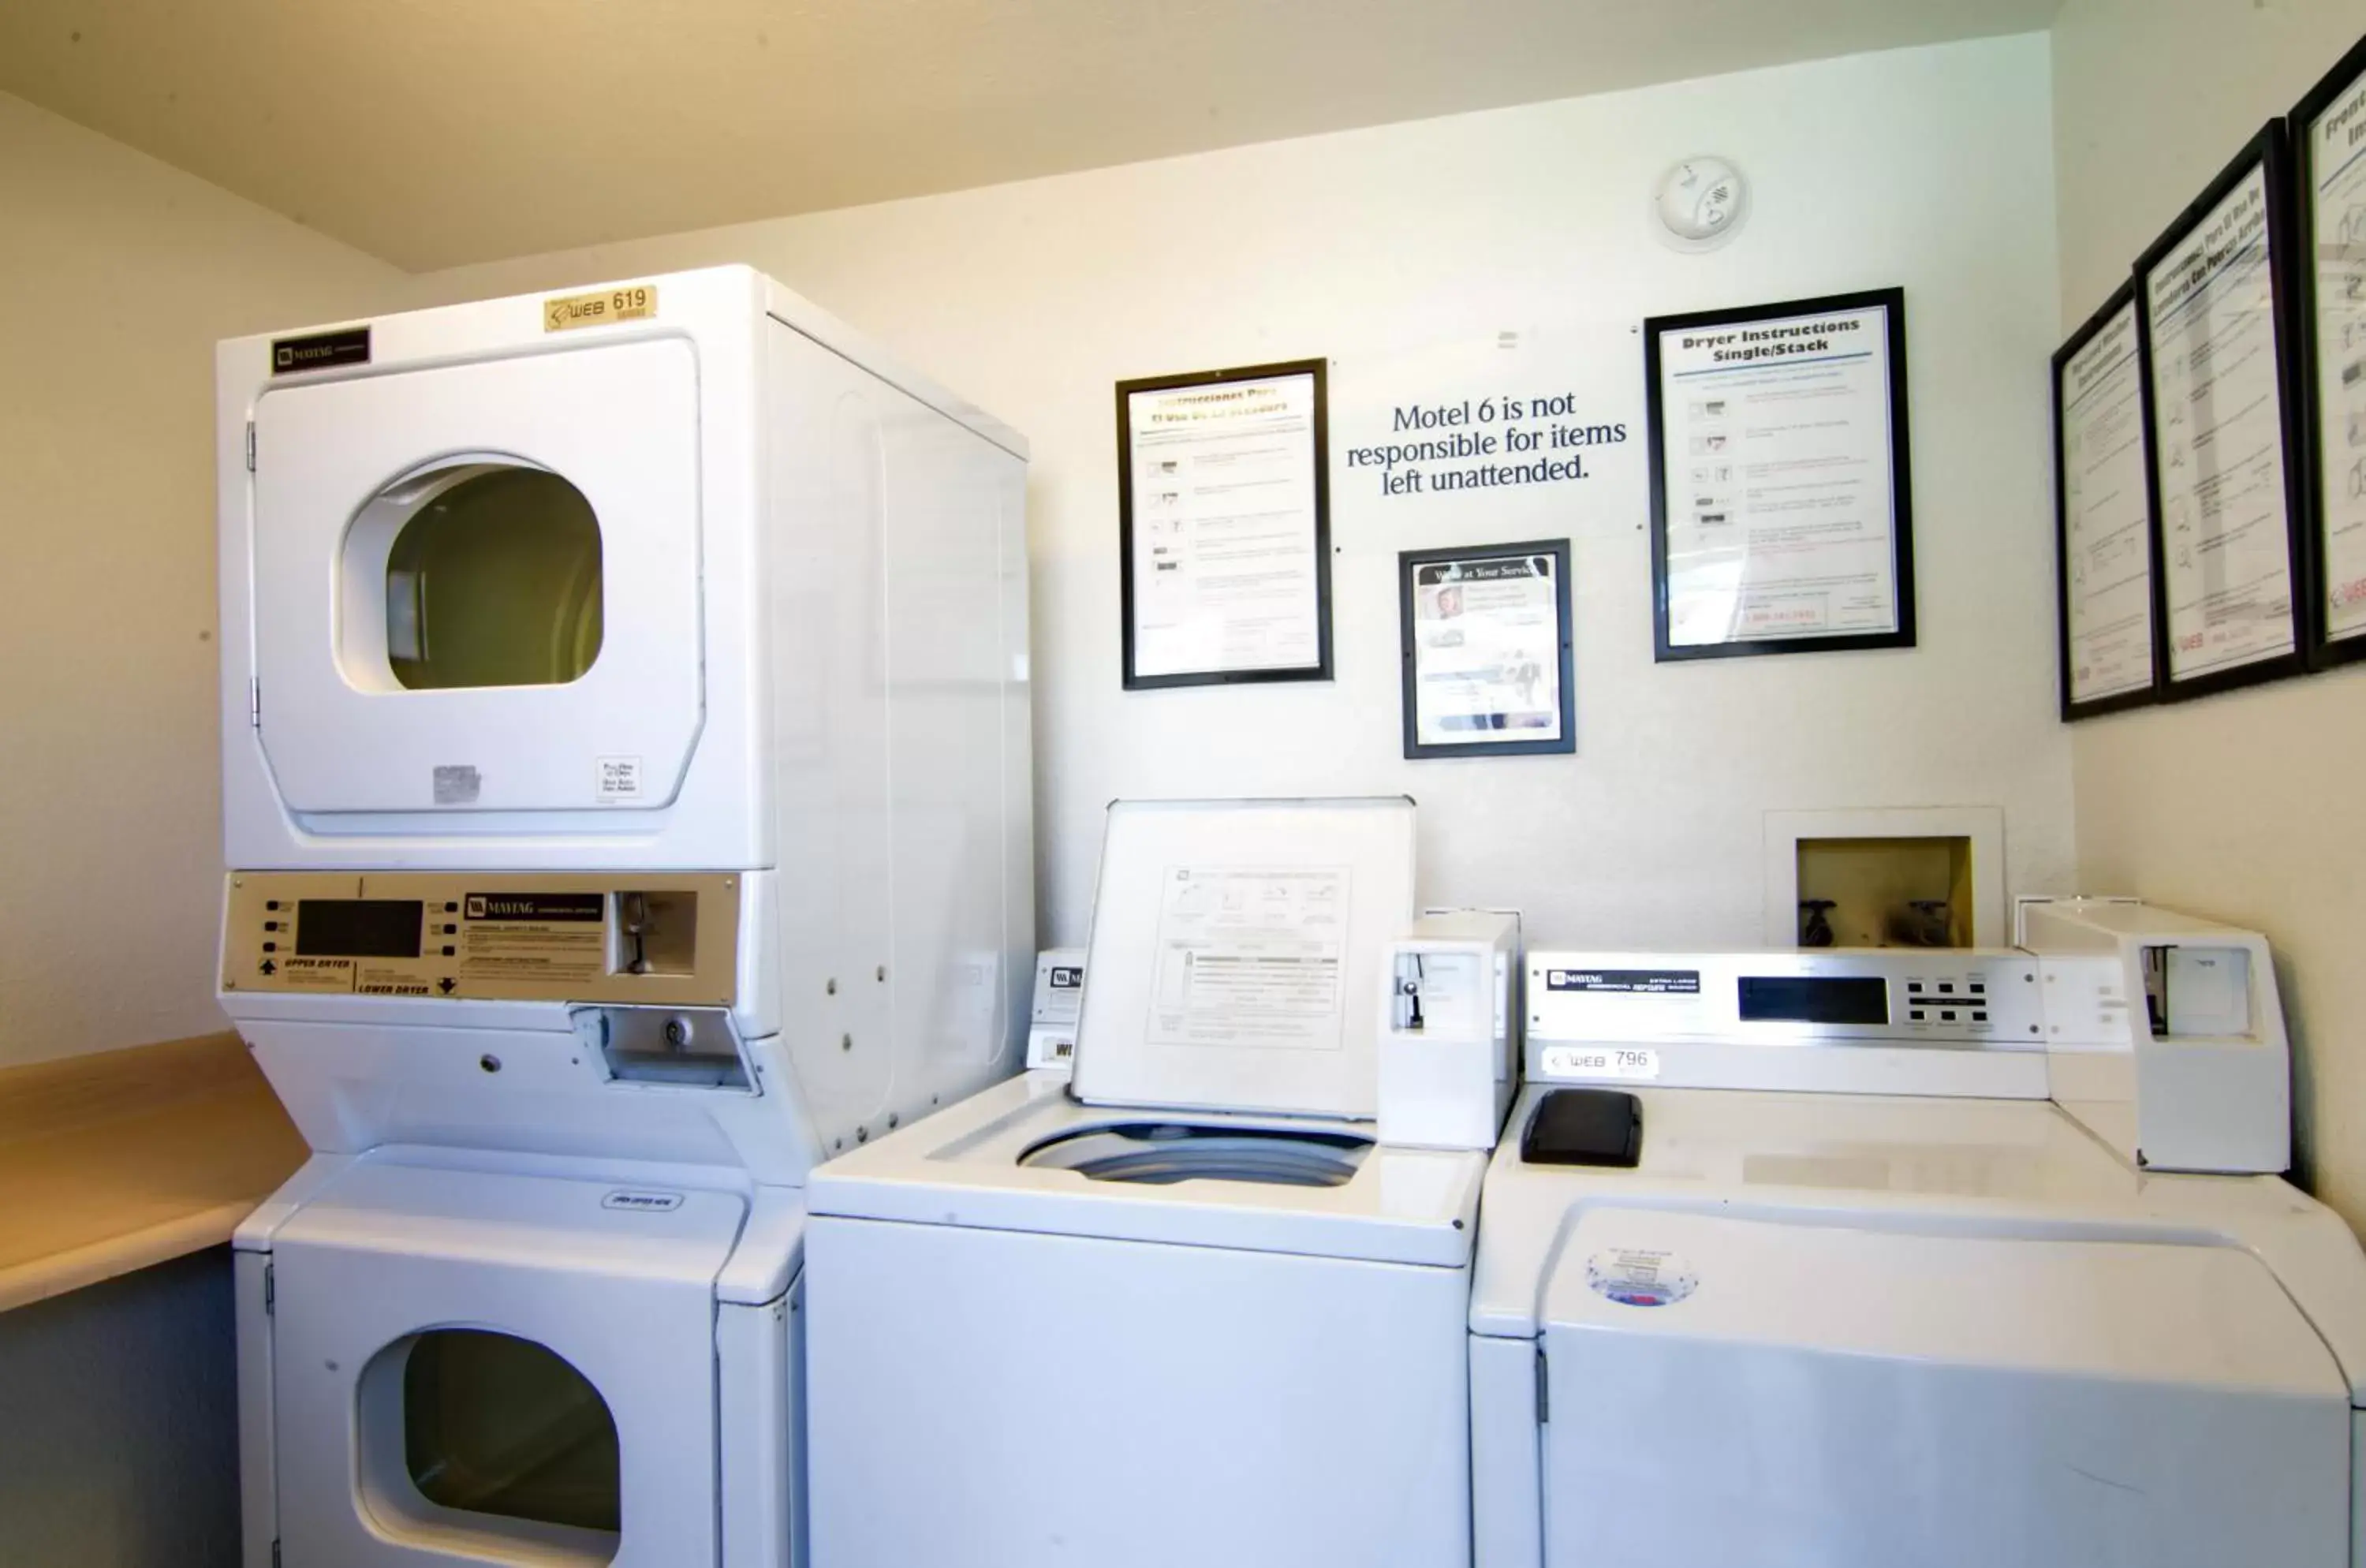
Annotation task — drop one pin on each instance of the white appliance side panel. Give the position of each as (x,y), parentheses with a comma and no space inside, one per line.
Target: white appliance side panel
(258,1459)
(1063,1399)
(1811,1395)
(1506,1496)
(759,1433)
(1018,798)
(889,718)
(825,542)
(949,495)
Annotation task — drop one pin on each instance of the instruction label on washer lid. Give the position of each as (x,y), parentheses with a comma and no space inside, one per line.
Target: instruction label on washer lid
(1638,1062)
(1639,1276)
(533,936)
(601,308)
(1251,956)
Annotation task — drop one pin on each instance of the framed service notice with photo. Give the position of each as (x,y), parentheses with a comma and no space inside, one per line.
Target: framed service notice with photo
(1781,503)
(1486,636)
(2104,569)
(2328,133)
(2218,347)
(1224,526)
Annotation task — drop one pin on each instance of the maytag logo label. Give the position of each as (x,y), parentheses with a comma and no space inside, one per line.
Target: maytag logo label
(1626,982)
(538,906)
(1066,977)
(642,1203)
(320,351)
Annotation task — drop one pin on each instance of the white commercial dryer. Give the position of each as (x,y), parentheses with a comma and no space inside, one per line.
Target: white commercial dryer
(1789,1261)
(625,785)
(1193,1313)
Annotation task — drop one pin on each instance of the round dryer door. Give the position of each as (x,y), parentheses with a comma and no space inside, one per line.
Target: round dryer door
(476,586)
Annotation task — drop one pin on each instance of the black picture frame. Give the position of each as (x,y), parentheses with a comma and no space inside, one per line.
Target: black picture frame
(1892,302)
(1409,564)
(2122,300)
(2266,150)
(1322,669)
(2322,650)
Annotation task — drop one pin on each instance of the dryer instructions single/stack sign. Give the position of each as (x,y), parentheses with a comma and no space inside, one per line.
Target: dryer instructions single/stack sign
(1251,956)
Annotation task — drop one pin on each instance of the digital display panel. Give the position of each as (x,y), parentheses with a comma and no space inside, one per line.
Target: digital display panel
(1814,999)
(358,928)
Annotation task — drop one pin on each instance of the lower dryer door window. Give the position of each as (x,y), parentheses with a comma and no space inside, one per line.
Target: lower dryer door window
(494,1424)
(470,1368)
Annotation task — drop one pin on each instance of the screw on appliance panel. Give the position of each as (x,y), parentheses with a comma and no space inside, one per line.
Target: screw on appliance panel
(830,987)
(489,1062)
(894,1121)
(862,1135)
(677,1032)
(882,975)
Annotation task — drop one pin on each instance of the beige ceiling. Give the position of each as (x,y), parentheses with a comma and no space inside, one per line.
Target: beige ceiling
(433,132)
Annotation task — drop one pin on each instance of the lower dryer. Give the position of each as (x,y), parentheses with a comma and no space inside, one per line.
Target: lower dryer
(465,1365)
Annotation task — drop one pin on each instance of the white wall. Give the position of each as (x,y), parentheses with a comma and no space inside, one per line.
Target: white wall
(1929,168)
(118,274)
(2247,807)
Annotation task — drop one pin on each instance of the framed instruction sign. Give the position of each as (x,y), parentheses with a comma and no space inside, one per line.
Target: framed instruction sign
(2218,349)
(2328,130)
(2103,569)
(1485,634)
(1224,526)
(1781,503)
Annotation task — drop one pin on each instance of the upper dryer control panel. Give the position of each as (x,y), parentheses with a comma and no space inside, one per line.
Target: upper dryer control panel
(659,940)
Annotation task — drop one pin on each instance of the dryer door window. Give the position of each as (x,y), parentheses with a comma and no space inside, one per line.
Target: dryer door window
(491,579)
(477,585)
(492,1423)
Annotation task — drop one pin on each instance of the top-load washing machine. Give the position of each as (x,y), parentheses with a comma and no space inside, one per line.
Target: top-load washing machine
(625,788)
(1790,1260)
(1193,1312)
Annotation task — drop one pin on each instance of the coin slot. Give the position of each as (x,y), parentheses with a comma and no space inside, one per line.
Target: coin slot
(653,932)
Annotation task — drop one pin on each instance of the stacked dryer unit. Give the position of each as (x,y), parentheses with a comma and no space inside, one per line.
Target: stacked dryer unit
(625,777)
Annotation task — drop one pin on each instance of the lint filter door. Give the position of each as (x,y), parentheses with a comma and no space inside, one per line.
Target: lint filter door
(476,586)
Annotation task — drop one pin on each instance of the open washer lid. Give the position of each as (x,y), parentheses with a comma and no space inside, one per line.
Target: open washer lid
(1235,952)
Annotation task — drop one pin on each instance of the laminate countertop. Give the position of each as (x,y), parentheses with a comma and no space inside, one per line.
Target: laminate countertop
(120,1159)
